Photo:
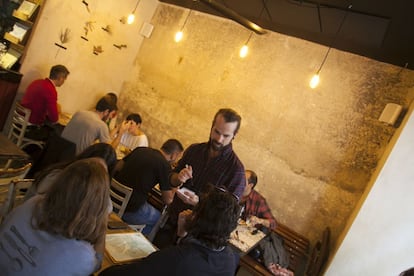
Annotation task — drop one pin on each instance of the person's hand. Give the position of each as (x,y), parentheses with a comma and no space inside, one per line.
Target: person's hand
(124,127)
(185,174)
(253,220)
(183,219)
(191,198)
(187,196)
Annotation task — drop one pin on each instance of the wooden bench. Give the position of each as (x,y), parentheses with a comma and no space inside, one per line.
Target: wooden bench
(296,245)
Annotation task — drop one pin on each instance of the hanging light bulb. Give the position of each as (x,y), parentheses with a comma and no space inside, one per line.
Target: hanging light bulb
(244,50)
(179,35)
(131,16)
(314,81)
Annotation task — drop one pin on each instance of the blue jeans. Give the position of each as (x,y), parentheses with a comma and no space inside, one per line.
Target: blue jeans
(146,214)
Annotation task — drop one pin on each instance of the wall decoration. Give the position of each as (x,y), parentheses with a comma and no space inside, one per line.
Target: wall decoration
(86,5)
(107,29)
(64,38)
(97,50)
(88,27)
(120,46)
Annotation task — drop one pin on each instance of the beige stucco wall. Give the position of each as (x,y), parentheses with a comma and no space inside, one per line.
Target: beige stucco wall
(314,150)
(380,240)
(91,75)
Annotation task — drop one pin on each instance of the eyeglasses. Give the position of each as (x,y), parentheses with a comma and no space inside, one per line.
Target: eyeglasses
(224,190)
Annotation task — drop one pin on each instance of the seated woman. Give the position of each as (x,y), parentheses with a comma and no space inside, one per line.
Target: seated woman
(63,231)
(203,250)
(134,137)
(44,178)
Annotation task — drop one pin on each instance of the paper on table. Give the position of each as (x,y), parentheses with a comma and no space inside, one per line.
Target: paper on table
(123,247)
(244,239)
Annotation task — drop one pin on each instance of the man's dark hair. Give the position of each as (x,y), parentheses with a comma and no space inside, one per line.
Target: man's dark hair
(57,71)
(111,96)
(253,178)
(214,218)
(103,104)
(229,116)
(134,117)
(171,146)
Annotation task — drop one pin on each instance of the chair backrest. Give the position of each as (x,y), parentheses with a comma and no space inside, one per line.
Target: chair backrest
(7,175)
(19,124)
(296,245)
(14,195)
(159,224)
(57,149)
(120,195)
(320,254)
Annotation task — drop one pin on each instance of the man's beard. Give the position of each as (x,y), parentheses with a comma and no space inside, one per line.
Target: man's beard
(216,146)
(105,118)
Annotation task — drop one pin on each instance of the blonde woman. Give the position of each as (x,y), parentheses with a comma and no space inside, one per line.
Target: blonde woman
(63,231)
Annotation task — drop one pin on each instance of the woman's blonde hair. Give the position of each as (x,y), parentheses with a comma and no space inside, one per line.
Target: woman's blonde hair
(76,206)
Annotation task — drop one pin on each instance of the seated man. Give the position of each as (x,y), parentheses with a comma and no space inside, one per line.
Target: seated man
(41,98)
(86,126)
(255,209)
(141,170)
(204,251)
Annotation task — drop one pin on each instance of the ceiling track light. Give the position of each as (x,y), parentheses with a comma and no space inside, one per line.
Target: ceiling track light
(315,79)
(231,14)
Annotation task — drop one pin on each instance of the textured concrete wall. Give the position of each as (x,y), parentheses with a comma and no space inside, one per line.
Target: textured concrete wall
(314,150)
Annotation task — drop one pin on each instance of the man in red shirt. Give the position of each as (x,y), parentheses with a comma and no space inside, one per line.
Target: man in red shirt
(41,98)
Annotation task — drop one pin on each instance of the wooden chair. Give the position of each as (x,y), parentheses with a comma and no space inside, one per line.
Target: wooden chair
(160,223)
(20,121)
(320,254)
(120,195)
(13,195)
(297,246)
(8,174)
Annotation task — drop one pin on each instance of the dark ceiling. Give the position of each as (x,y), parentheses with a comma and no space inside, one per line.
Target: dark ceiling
(379,29)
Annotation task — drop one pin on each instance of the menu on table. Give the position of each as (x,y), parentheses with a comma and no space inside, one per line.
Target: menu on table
(245,237)
(123,247)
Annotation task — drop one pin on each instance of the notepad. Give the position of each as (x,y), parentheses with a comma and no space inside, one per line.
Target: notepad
(123,247)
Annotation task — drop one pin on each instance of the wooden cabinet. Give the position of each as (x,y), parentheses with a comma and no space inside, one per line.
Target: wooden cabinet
(16,25)
(9,82)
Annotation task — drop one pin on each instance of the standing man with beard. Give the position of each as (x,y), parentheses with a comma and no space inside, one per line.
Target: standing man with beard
(203,167)
(86,126)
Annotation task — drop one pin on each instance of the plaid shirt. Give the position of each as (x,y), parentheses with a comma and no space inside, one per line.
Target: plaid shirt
(256,205)
(224,171)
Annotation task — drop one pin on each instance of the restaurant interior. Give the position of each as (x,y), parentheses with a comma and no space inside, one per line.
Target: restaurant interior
(318,151)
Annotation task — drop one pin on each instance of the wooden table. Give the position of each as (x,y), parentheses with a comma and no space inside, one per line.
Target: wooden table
(64,118)
(107,261)
(9,150)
